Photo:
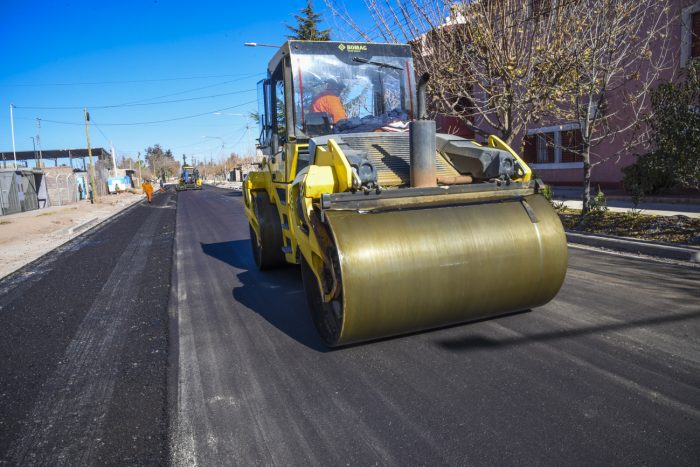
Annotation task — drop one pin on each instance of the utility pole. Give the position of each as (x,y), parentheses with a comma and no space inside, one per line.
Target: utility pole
(139,163)
(114,158)
(38,142)
(12,125)
(93,194)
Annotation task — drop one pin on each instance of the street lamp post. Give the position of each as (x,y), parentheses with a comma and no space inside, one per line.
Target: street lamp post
(38,140)
(255,44)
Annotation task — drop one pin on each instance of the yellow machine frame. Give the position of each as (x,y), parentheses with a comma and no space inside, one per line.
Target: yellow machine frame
(312,214)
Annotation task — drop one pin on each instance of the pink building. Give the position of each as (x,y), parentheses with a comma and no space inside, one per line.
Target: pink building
(547,148)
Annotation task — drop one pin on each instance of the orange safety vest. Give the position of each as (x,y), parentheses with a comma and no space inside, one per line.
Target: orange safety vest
(329,103)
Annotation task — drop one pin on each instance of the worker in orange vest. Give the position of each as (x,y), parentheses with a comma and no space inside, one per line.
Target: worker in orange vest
(148,190)
(328,101)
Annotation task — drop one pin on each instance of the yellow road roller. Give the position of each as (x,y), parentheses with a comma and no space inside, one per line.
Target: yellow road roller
(189,179)
(397,228)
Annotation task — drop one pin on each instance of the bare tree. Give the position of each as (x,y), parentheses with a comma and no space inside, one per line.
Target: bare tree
(502,65)
(495,65)
(620,48)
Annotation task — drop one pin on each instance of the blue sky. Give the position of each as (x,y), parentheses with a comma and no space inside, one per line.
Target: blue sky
(115,56)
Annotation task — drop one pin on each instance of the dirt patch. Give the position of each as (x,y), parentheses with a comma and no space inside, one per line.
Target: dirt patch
(669,229)
(28,235)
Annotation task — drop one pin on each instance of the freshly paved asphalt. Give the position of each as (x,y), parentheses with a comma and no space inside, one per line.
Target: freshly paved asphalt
(607,373)
(83,346)
(90,372)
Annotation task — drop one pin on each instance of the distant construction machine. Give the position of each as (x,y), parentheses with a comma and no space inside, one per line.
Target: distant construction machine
(189,179)
(397,228)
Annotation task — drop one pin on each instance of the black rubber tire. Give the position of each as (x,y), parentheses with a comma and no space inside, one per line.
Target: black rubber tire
(267,250)
(327,322)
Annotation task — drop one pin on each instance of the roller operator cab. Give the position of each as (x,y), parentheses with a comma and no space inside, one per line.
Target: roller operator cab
(396,228)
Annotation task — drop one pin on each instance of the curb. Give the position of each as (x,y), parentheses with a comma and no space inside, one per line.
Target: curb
(95,221)
(657,199)
(83,225)
(679,253)
(677,199)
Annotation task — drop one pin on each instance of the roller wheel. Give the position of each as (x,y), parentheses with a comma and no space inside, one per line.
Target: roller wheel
(267,250)
(327,317)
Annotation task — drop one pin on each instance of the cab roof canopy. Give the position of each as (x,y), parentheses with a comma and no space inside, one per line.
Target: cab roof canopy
(359,49)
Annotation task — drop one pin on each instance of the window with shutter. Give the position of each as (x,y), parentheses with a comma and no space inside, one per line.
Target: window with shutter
(560,144)
(571,145)
(529,149)
(545,148)
(695,35)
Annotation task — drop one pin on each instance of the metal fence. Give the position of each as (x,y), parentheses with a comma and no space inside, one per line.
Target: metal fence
(9,200)
(25,189)
(21,190)
(63,189)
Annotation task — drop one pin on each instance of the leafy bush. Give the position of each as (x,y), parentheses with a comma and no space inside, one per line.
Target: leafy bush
(547,192)
(675,125)
(652,173)
(599,203)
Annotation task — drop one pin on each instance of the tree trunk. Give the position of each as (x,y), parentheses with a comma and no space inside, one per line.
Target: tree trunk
(586,179)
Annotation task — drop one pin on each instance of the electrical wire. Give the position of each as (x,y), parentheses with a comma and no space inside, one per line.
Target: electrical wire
(135,104)
(154,80)
(244,78)
(156,121)
(94,123)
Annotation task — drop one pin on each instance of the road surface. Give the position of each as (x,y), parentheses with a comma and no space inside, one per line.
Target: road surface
(606,373)
(153,340)
(83,346)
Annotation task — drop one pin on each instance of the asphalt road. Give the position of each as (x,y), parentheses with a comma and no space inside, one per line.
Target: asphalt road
(83,346)
(607,373)
(152,339)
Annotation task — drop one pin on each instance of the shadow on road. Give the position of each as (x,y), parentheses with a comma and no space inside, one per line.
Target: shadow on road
(468,343)
(275,295)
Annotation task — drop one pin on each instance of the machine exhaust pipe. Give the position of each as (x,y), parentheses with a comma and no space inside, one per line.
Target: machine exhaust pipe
(422,142)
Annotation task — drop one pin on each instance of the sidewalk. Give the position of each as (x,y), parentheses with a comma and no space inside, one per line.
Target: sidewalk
(652,205)
(26,236)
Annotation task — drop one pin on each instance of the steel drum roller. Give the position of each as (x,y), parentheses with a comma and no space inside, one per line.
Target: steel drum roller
(414,269)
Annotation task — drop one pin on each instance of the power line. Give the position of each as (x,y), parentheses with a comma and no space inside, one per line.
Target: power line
(155,80)
(135,104)
(244,78)
(156,121)
(100,130)
(196,143)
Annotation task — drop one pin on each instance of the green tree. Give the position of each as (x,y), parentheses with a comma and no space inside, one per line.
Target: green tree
(676,126)
(307,25)
(161,162)
(675,132)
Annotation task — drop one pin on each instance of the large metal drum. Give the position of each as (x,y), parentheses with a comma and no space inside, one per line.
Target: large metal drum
(413,269)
